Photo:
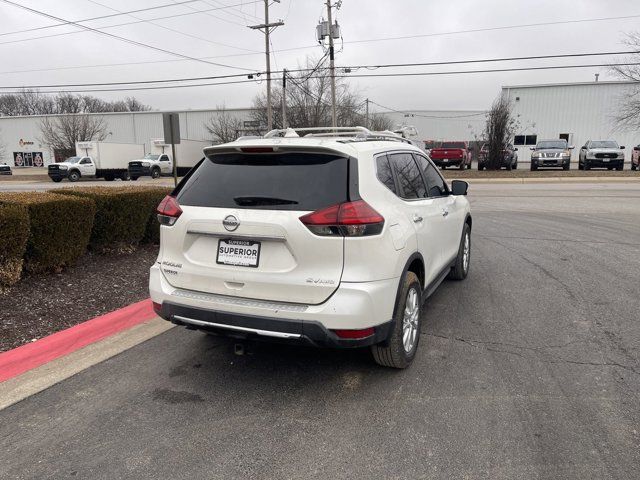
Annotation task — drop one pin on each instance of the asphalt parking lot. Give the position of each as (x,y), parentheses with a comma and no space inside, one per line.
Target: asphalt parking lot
(528,369)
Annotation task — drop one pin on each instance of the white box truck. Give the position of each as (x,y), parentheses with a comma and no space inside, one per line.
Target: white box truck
(97,160)
(158,161)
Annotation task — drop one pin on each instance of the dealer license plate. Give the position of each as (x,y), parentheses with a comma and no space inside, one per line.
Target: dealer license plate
(605,159)
(241,253)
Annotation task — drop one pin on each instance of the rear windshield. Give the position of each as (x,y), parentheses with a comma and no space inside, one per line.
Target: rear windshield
(560,144)
(453,145)
(286,181)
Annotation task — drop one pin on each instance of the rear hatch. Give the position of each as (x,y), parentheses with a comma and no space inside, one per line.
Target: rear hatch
(240,232)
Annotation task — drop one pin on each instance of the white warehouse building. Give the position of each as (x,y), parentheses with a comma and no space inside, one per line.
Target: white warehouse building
(578,112)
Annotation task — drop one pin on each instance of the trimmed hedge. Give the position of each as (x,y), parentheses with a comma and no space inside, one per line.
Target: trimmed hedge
(123,215)
(14,233)
(59,228)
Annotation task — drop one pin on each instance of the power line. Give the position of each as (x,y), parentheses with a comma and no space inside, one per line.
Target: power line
(318,66)
(164,27)
(549,67)
(117,37)
(139,10)
(491,29)
(195,11)
(486,60)
(426,116)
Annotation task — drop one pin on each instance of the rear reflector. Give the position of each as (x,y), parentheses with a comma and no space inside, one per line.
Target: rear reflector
(168,211)
(354,334)
(350,219)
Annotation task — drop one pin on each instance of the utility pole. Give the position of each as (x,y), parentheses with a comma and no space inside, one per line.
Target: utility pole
(284,98)
(332,68)
(366,114)
(267,28)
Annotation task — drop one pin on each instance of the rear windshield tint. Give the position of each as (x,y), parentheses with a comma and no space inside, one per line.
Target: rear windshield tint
(287,181)
(453,145)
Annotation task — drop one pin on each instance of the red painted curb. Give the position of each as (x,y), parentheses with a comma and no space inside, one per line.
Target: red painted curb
(32,355)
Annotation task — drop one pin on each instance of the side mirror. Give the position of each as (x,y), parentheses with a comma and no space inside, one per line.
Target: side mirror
(459,187)
(515,149)
(622,147)
(571,147)
(532,148)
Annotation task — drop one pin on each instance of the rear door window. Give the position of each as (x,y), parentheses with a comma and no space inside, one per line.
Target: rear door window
(282,181)
(409,178)
(385,174)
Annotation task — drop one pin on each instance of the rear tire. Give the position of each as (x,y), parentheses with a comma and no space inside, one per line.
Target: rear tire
(460,269)
(621,167)
(565,167)
(57,180)
(633,167)
(480,167)
(534,167)
(133,179)
(125,177)
(586,166)
(401,348)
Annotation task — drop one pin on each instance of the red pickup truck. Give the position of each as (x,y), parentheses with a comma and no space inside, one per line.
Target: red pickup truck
(635,158)
(452,154)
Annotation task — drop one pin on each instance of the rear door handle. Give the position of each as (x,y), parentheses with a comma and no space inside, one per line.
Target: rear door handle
(417,218)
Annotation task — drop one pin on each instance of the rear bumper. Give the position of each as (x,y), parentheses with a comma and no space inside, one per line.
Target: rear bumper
(266,328)
(353,306)
(447,161)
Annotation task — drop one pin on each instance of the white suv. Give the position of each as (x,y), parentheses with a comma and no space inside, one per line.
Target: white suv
(329,239)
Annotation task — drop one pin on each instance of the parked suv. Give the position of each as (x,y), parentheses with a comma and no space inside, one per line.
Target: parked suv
(509,157)
(601,154)
(452,154)
(551,153)
(323,239)
(635,158)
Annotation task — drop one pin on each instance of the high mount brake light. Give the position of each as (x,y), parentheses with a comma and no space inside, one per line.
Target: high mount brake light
(257,149)
(349,219)
(168,211)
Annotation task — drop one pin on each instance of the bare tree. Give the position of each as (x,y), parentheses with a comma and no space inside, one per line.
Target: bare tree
(32,102)
(628,113)
(500,128)
(223,127)
(62,133)
(308,101)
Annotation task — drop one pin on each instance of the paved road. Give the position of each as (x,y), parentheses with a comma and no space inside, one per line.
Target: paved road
(529,369)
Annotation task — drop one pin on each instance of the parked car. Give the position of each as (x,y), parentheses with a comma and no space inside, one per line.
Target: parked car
(635,158)
(601,154)
(551,153)
(509,157)
(452,154)
(5,169)
(328,241)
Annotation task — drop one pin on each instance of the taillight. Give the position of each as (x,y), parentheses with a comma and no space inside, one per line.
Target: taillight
(168,211)
(349,219)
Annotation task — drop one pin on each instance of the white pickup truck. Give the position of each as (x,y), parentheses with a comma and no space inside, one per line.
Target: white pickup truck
(159,163)
(97,160)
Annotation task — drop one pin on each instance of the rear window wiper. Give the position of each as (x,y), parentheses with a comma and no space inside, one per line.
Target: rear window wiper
(252,201)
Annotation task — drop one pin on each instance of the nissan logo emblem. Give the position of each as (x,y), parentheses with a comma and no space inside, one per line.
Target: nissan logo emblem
(231,223)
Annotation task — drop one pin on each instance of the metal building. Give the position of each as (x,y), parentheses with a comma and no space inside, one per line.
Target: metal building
(577,112)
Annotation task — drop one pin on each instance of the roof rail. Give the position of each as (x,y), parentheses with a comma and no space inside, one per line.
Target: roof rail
(357,133)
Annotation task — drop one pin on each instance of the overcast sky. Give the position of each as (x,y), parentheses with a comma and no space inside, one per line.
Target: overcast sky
(223,34)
